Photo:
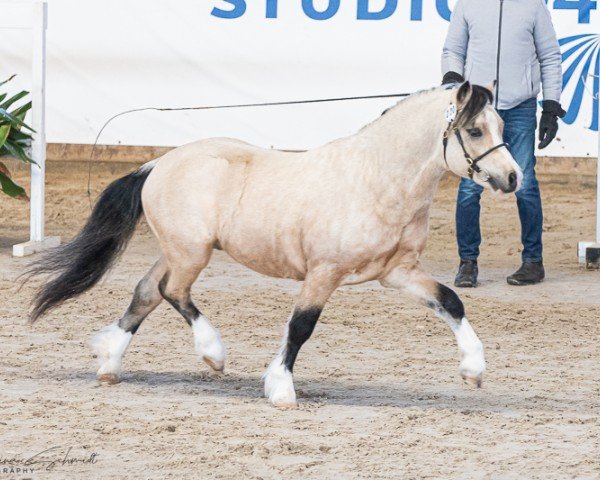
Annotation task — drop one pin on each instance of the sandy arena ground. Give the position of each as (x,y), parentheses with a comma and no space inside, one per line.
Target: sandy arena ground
(380,394)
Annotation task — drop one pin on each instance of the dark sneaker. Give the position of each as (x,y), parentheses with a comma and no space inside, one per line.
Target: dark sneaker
(529,274)
(467,274)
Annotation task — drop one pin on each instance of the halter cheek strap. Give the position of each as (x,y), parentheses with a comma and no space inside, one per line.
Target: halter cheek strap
(472,162)
(473,167)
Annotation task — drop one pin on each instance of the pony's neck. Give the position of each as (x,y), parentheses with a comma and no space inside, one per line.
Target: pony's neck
(404,161)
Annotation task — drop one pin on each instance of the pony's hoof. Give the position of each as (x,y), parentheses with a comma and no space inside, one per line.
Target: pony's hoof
(284,404)
(216,365)
(281,395)
(472,368)
(473,380)
(109,378)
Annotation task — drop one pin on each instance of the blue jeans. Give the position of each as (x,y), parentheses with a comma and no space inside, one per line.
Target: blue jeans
(519,133)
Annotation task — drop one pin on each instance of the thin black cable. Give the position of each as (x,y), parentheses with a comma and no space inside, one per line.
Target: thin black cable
(219,107)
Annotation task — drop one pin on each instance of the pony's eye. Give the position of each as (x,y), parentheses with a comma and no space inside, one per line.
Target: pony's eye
(475,132)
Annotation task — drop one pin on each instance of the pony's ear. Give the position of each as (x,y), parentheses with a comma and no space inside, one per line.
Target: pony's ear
(464,93)
(492,86)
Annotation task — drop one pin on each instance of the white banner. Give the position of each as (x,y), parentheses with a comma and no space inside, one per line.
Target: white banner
(113,55)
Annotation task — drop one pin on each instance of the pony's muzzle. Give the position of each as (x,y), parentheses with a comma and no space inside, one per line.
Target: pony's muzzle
(509,184)
(512,182)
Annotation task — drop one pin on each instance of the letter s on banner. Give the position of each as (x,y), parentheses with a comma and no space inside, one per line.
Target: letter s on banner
(387,11)
(309,9)
(239,8)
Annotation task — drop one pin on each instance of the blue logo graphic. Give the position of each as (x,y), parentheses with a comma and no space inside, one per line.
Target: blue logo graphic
(581,67)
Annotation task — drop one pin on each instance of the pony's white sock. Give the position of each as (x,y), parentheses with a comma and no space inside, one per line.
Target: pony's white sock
(110,344)
(208,343)
(473,363)
(279,384)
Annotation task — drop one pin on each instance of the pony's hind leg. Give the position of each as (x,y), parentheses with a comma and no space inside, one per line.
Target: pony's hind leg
(446,304)
(175,287)
(110,343)
(279,383)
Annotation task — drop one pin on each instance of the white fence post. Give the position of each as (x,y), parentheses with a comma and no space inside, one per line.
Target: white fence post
(38,90)
(582,247)
(37,240)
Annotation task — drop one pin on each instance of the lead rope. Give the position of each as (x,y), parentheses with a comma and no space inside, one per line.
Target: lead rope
(220,107)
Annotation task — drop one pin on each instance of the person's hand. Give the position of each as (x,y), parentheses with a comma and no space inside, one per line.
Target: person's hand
(452,77)
(551,112)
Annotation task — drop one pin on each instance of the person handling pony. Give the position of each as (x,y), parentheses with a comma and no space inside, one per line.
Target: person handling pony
(514,44)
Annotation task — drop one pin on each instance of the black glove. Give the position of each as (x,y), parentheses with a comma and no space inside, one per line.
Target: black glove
(551,112)
(452,77)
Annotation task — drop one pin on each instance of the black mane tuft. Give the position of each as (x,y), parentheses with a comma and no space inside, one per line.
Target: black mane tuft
(480,97)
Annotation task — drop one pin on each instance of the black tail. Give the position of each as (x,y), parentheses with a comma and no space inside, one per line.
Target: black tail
(81,263)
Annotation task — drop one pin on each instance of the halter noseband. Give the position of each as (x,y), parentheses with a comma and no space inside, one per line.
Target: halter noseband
(451,114)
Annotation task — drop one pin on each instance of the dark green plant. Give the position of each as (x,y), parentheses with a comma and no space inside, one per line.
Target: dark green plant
(15,138)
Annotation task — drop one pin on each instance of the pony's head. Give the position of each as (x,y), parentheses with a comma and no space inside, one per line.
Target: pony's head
(473,146)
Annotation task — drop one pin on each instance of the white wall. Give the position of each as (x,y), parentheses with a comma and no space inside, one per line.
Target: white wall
(113,55)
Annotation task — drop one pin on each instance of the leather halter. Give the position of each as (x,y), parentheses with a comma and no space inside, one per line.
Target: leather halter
(473,167)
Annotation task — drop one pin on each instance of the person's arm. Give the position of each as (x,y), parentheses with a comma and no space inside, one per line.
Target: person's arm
(548,53)
(455,47)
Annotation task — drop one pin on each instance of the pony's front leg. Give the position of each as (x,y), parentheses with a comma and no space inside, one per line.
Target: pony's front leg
(279,383)
(448,307)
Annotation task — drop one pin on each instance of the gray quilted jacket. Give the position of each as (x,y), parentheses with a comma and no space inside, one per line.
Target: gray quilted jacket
(510,41)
